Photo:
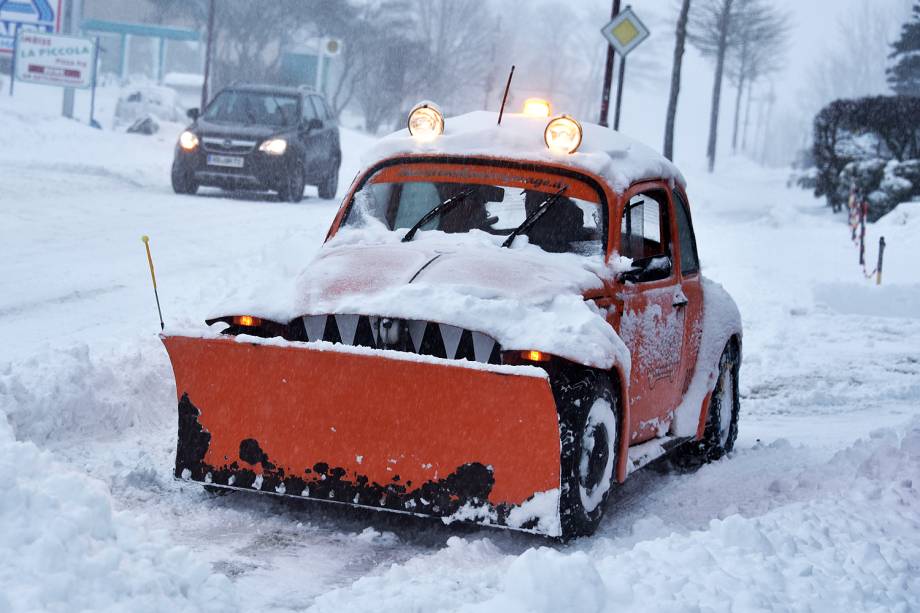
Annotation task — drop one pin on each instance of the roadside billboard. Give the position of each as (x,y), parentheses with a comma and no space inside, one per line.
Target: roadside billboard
(50,59)
(42,16)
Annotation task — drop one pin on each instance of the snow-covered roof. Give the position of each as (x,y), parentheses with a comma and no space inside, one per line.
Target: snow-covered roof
(617,158)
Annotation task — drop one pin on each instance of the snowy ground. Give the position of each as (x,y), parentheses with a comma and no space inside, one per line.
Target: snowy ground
(817,509)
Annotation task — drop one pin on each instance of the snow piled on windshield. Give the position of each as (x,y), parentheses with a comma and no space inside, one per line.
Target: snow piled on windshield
(617,158)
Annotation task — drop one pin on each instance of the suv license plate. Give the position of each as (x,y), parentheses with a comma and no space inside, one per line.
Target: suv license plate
(230,161)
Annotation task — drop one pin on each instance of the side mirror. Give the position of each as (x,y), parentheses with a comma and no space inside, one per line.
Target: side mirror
(313,124)
(643,270)
(192,114)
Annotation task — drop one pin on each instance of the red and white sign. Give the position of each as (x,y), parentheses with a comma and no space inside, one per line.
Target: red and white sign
(50,59)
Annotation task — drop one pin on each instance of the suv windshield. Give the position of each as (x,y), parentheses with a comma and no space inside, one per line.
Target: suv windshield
(574,223)
(252,108)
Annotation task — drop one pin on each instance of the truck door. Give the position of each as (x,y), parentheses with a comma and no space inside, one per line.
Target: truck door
(652,313)
(690,284)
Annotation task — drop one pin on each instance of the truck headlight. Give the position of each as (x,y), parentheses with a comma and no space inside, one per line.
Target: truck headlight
(188,141)
(274,146)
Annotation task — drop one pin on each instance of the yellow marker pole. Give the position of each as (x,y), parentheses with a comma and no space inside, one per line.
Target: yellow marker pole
(153,276)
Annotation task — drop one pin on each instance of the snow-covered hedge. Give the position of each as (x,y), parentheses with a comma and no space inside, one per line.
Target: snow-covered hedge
(871,143)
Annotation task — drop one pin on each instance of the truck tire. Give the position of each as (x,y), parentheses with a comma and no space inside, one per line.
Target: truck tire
(590,435)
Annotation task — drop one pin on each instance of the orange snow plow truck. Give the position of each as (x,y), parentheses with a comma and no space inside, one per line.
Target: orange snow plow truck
(503,322)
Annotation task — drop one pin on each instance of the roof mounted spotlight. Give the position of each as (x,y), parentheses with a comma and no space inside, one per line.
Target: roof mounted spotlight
(563,134)
(426,121)
(537,107)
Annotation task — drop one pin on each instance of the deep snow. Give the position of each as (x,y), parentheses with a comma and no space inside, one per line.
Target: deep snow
(817,509)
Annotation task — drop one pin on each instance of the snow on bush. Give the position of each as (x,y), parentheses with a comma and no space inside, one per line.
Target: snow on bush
(65,549)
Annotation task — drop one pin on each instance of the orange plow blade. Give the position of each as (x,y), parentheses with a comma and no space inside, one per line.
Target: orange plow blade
(436,437)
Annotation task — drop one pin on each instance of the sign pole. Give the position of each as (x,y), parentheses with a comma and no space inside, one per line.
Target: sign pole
(207,57)
(608,73)
(13,66)
(92,97)
(616,116)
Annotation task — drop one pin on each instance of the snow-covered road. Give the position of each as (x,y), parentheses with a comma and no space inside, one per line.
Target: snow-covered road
(812,512)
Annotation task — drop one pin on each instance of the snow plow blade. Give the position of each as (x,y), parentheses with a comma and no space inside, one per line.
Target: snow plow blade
(399,432)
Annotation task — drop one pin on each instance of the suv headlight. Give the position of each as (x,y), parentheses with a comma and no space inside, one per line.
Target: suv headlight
(188,141)
(274,146)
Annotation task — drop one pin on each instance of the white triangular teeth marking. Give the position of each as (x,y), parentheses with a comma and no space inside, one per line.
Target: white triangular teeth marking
(482,346)
(451,337)
(347,324)
(315,325)
(417,332)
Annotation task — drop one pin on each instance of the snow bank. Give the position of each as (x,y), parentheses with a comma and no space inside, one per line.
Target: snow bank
(612,155)
(851,545)
(75,394)
(65,549)
(871,300)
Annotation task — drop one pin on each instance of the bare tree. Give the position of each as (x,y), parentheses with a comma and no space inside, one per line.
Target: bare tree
(761,33)
(679,44)
(711,31)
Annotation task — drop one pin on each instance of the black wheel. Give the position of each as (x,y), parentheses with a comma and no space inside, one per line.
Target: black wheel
(722,423)
(330,183)
(183,181)
(589,420)
(291,189)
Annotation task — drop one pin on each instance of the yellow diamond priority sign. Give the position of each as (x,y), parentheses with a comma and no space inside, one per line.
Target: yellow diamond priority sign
(625,32)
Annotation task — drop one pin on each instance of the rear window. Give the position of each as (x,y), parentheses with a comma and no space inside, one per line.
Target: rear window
(495,203)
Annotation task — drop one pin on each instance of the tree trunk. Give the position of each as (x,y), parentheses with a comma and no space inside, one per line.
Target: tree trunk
(747,116)
(717,83)
(737,113)
(675,79)
(742,78)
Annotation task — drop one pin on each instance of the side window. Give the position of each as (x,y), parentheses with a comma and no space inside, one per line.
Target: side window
(689,260)
(644,229)
(308,111)
(318,107)
(323,107)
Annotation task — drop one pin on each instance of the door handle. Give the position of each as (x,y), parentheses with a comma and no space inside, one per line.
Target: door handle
(680,300)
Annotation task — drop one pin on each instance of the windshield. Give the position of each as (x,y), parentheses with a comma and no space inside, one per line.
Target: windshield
(490,203)
(252,108)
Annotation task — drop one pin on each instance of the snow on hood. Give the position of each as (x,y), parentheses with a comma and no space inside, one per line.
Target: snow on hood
(524,297)
(617,158)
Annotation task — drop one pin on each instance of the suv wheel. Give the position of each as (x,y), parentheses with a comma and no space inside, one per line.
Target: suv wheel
(292,188)
(183,181)
(330,183)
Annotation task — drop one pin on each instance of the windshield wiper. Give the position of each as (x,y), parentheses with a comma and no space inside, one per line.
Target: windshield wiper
(534,217)
(434,212)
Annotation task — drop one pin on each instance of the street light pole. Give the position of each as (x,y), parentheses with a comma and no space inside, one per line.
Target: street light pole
(608,72)
(207,57)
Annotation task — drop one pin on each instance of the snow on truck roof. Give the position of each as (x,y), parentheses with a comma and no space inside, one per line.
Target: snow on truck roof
(615,157)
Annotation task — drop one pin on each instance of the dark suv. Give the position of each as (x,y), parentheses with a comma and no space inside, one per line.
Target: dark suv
(260,137)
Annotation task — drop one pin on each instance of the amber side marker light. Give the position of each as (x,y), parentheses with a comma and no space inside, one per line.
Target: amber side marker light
(247,320)
(535,356)
(537,107)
